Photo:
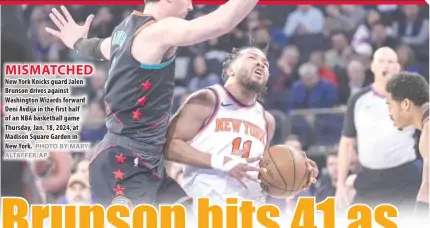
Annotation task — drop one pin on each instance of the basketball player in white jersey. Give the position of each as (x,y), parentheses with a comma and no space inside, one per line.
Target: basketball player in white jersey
(217,122)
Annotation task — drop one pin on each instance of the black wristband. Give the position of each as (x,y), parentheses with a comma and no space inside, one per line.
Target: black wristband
(75,46)
(90,48)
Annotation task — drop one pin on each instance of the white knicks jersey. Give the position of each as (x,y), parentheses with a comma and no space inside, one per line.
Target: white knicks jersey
(231,127)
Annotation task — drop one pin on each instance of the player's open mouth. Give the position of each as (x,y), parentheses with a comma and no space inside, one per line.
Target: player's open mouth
(259,71)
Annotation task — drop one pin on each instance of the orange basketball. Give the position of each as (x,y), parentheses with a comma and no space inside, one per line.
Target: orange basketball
(287,171)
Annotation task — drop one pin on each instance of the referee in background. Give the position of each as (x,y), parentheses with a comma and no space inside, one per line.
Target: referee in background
(386,153)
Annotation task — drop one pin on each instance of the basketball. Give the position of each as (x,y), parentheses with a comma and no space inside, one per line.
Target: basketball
(287,171)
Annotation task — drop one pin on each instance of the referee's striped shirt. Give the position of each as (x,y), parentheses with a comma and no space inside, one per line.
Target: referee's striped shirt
(380,144)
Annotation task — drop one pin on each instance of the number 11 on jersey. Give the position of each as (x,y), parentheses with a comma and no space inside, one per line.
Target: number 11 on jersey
(245,148)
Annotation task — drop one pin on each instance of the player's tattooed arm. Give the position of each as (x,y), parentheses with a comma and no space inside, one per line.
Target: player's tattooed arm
(74,36)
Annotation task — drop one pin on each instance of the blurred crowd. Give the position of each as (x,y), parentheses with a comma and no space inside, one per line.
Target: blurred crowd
(319,56)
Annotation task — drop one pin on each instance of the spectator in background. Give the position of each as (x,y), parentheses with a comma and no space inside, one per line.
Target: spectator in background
(380,37)
(78,191)
(94,127)
(362,34)
(203,77)
(282,77)
(261,39)
(340,53)
(317,58)
(326,185)
(311,91)
(82,168)
(343,17)
(306,19)
(103,23)
(52,175)
(412,30)
(407,59)
(294,141)
(356,75)
(44,49)
(363,53)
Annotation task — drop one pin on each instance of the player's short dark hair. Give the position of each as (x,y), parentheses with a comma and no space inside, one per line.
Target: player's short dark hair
(411,86)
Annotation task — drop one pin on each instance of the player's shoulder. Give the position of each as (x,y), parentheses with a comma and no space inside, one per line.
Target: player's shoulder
(166,24)
(206,96)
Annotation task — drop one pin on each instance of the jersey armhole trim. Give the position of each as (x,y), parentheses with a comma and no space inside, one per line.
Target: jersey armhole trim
(157,66)
(215,111)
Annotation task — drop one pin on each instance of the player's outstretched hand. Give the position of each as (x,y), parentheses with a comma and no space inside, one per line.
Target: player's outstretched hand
(313,172)
(241,168)
(69,32)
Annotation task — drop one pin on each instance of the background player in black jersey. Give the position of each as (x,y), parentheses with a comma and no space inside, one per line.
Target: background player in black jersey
(407,99)
(129,166)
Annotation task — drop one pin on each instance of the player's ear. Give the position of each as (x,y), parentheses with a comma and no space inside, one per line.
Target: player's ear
(230,71)
(406,103)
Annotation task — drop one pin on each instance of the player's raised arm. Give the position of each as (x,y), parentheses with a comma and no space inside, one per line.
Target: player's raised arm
(74,36)
(178,32)
(186,124)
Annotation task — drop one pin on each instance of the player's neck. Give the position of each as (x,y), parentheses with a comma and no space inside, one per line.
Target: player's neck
(241,94)
(155,10)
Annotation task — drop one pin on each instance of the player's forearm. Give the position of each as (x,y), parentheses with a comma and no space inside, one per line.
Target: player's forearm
(346,149)
(179,151)
(233,12)
(94,48)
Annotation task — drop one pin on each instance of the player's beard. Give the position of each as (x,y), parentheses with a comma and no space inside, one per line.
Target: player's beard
(252,86)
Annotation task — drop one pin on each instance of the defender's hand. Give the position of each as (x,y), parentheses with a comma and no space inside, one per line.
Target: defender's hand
(69,32)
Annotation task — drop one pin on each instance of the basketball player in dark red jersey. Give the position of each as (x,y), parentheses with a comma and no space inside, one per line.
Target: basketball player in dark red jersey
(129,165)
(408,97)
